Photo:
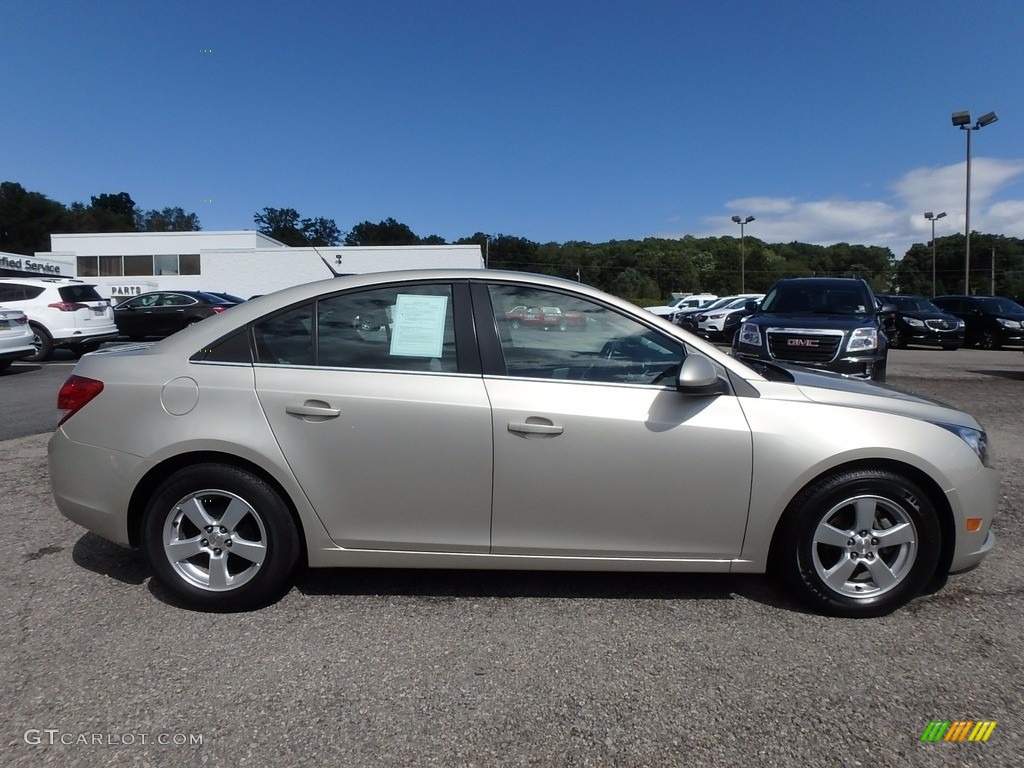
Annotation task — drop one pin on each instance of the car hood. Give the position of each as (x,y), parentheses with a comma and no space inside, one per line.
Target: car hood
(929,315)
(834,389)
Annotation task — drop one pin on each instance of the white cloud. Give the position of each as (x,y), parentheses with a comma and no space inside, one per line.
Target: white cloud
(896,223)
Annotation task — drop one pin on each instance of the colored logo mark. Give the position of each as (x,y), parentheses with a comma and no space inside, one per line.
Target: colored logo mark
(958,730)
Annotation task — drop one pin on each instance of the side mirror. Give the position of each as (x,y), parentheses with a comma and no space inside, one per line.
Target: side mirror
(698,376)
(751,306)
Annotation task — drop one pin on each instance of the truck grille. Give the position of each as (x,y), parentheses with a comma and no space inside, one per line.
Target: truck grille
(803,346)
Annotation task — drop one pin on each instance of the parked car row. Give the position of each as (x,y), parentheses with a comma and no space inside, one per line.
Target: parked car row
(64,313)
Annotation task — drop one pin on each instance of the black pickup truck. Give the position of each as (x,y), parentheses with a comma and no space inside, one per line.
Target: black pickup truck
(830,323)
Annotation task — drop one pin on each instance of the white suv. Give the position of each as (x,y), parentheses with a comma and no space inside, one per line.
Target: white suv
(62,313)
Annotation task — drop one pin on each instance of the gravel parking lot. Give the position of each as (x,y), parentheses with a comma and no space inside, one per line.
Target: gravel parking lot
(389,668)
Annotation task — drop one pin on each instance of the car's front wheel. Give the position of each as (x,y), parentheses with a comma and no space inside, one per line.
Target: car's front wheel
(859,543)
(220,538)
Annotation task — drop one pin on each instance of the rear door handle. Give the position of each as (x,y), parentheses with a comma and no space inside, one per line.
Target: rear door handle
(314,409)
(533,428)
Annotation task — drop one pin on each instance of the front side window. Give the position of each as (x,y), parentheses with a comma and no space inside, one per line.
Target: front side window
(558,336)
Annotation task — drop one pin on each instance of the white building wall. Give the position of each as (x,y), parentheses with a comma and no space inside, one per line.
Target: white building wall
(244,263)
(247,273)
(130,243)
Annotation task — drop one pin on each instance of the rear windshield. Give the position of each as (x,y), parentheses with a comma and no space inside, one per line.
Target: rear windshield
(79,293)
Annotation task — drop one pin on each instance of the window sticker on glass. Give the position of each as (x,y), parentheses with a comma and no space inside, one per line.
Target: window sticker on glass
(418,325)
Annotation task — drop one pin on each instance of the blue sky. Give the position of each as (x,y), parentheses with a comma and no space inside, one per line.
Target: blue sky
(555,120)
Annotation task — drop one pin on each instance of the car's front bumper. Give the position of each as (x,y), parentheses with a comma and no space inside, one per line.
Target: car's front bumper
(976,498)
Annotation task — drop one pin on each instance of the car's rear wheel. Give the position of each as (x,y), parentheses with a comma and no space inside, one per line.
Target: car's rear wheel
(43,343)
(514,325)
(898,340)
(859,543)
(220,538)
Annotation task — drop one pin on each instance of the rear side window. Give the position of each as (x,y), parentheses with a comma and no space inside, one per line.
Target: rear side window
(79,293)
(402,328)
(18,292)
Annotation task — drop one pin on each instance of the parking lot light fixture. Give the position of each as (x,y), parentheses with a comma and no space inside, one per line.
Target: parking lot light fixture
(933,217)
(743,255)
(962,120)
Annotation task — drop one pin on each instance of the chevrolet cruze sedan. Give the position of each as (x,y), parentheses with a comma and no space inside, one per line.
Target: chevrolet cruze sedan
(288,432)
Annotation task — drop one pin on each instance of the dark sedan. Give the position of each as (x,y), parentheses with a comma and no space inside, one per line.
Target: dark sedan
(991,321)
(918,321)
(162,313)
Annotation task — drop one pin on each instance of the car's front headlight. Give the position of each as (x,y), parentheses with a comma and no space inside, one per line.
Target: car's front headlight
(913,322)
(750,334)
(863,338)
(1007,323)
(975,438)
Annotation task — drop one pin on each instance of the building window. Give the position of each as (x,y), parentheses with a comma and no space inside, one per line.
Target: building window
(88,266)
(166,264)
(138,265)
(188,263)
(110,266)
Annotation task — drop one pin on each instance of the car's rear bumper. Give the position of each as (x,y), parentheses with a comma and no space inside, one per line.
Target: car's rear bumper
(89,485)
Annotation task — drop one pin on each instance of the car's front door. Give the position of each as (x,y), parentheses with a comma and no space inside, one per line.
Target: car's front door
(382,415)
(597,454)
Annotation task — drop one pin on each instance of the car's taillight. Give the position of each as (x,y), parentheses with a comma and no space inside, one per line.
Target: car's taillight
(68,306)
(76,392)
(218,310)
(21,320)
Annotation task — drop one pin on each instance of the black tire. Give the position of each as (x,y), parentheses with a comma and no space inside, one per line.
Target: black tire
(514,325)
(5,364)
(989,340)
(83,349)
(837,564)
(184,512)
(951,347)
(43,343)
(898,340)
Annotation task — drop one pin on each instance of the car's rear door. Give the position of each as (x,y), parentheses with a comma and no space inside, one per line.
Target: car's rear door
(376,400)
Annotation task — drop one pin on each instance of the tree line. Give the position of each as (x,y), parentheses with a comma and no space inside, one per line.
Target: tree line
(647,270)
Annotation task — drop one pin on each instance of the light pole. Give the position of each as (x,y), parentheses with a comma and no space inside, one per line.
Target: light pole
(743,254)
(933,217)
(962,120)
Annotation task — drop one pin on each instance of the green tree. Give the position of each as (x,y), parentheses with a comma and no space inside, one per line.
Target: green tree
(27,219)
(387,232)
(282,224)
(167,220)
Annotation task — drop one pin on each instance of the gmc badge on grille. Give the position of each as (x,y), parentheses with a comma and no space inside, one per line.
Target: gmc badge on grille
(801,342)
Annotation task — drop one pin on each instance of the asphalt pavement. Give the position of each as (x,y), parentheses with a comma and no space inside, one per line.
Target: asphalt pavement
(450,668)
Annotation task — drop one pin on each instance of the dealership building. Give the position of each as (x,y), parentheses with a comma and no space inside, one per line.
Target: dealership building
(244,263)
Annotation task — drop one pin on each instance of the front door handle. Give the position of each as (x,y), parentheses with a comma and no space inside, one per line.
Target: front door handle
(313,410)
(535,428)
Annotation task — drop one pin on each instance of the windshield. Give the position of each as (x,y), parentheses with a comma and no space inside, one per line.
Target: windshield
(997,305)
(911,304)
(817,296)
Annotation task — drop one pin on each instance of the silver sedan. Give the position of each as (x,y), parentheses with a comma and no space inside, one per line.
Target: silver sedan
(400,420)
